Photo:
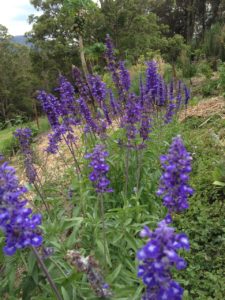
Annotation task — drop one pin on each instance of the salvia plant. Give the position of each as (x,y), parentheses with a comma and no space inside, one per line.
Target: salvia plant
(19,224)
(157,258)
(83,235)
(24,136)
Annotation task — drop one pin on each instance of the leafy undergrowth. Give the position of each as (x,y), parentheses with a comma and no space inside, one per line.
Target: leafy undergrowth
(204,222)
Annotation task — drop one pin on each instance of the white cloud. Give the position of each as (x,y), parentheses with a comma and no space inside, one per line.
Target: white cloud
(14,15)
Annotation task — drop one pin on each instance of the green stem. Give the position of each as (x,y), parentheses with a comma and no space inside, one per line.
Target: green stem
(73,155)
(102,210)
(47,274)
(139,166)
(126,171)
(42,198)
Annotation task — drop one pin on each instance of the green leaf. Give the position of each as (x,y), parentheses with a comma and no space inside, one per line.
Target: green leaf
(101,248)
(65,294)
(219,183)
(72,238)
(114,274)
(31,262)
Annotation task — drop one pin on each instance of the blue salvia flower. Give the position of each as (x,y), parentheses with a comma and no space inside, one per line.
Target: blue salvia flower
(114,68)
(157,257)
(111,61)
(54,139)
(99,169)
(68,108)
(99,92)
(86,113)
(171,106)
(50,105)
(132,116)
(124,76)
(47,252)
(161,92)
(62,114)
(81,86)
(141,91)
(89,266)
(106,113)
(114,104)
(98,88)
(24,136)
(152,79)
(18,224)
(179,96)
(187,95)
(174,187)
(145,127)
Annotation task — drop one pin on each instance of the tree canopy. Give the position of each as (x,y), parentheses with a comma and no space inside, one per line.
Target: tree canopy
(73,32)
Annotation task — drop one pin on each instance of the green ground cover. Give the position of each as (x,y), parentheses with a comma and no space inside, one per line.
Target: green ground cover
(8,144)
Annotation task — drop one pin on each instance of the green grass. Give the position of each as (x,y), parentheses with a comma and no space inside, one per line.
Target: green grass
(8,144)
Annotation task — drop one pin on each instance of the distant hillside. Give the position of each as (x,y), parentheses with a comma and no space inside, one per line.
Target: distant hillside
(21,39)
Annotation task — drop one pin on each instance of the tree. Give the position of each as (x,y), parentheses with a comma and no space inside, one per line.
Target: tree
(133,27)
(190,18)
(16,79)
(58,35)
(79,10)
(4,35)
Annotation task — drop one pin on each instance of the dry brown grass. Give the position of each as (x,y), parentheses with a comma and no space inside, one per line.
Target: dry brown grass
(205,108)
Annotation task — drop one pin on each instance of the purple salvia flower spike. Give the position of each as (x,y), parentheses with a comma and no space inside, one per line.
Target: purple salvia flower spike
(18,224)
(179,96)
(174,187)
(151,78)
(50,105)
(171,105)
(113,103)
(99,169)
(113,68)
(132,116)
(157,257)
(187,95)
(24,136)
(86,113)
(124,76)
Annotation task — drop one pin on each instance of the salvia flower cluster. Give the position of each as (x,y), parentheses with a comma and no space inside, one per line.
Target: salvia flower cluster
(174,187)
(24,136)
(62,113)
(99,169)
(17,222)
(89,266)
(89,102)
(157,257)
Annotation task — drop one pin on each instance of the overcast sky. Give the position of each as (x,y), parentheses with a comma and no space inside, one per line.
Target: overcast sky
(14,15)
